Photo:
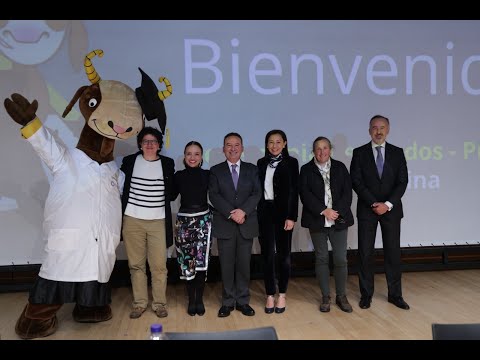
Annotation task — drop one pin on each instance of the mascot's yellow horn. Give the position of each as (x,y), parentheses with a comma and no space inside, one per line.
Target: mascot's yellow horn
(165,93)
(89,68)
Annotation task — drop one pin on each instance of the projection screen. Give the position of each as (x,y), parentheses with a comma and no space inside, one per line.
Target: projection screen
(308,78)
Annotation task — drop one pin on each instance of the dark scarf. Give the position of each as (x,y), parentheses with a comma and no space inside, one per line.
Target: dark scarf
(274,160)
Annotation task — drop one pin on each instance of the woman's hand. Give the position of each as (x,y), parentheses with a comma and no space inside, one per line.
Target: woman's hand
(289,224)
(330,214)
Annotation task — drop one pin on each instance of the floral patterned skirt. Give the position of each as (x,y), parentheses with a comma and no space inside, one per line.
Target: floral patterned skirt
(192,241)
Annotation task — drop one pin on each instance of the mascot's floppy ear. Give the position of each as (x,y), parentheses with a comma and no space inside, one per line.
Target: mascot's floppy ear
(151,100)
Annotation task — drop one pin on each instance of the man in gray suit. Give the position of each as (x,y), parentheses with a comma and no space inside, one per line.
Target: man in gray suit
(234,192)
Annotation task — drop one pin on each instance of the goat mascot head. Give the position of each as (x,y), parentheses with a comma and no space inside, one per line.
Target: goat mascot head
(112,110)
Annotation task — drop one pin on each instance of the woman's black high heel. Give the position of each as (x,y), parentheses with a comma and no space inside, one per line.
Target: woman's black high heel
(279,310)
(269,310)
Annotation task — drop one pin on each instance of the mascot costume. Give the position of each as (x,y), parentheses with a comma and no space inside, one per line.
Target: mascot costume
(83,211)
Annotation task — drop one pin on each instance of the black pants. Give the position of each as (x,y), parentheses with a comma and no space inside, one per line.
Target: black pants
(273,237)
(367,230)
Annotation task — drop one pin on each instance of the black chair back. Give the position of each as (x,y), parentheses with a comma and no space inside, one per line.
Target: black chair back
(456,331)
(264,333)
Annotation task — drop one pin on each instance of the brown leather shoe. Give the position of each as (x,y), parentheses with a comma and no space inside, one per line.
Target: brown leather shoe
(342,302)
(136,312)
(161,311)
(325,305)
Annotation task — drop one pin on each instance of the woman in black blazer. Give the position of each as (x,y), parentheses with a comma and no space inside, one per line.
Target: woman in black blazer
(277,214)
(326,194)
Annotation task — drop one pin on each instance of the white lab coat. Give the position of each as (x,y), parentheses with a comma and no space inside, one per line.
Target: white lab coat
(83,213)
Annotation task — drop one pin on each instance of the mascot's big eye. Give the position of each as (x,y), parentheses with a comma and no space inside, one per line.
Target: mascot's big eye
(92,102)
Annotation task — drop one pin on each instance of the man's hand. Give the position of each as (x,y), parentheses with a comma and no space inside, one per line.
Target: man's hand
(379,208)
(238,215)
(20,109)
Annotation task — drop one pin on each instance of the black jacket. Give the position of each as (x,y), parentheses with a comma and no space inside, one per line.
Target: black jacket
(312,194)
(370,188)
(285,189)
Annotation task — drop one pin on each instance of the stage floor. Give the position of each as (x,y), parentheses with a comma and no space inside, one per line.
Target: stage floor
(434,297)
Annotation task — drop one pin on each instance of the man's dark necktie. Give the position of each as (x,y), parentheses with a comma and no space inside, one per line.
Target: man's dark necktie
(235,175)
(379,161)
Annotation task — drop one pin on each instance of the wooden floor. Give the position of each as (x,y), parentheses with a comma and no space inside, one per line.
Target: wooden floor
(434,297)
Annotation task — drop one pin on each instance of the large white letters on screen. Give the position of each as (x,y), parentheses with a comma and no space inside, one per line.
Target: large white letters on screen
(208,66)
(200,70)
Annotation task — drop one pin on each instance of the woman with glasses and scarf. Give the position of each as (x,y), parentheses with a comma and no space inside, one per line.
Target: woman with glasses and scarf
(277,214)
(326,194)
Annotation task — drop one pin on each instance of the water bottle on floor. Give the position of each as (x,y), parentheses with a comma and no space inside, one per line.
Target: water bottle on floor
(156,332)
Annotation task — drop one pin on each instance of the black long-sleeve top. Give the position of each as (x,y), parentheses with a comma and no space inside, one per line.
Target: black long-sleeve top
(192,185)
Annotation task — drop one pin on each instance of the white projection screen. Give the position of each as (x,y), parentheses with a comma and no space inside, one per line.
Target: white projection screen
(308,78)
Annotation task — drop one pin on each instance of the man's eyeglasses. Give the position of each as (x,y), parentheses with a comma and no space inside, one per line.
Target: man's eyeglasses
(146,142)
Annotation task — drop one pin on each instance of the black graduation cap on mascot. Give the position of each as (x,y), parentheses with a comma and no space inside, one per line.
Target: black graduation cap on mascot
(151,100)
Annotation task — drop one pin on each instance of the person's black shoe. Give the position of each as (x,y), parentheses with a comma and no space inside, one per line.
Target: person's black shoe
(192,309)
(398,302)
(200,309)
(279,310)
(225,311)
(246,310)
(270,300)
(365,302)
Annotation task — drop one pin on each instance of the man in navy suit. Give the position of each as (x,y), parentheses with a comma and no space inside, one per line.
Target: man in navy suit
(379,177)
(234,191)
